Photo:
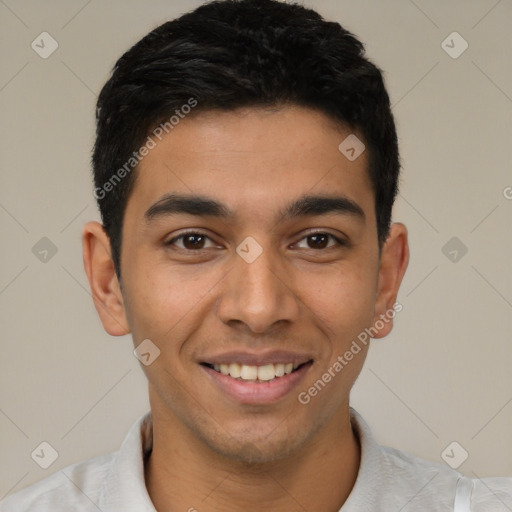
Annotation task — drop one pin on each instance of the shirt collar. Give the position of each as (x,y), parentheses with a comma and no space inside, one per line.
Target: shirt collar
(368,486)
(124,490)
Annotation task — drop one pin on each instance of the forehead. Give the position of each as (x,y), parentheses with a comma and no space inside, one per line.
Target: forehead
(253,160)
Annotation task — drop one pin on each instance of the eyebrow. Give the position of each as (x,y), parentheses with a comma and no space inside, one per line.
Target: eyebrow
(305,206)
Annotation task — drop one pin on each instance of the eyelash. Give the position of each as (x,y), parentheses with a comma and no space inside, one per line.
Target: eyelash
(339,241)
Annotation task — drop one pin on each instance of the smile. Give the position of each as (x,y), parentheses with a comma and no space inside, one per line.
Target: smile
(258,384)
(252,373)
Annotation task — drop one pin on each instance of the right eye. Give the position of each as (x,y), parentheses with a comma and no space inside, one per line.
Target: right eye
(190,241)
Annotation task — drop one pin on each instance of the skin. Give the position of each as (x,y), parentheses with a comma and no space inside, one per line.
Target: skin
(211,452)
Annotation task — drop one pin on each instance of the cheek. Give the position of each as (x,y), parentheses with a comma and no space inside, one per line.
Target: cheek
(163,298)
(343,298)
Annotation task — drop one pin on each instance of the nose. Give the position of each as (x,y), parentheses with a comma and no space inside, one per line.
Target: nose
(258,294)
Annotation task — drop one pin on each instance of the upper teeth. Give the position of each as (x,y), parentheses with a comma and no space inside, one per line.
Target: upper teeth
(247,372)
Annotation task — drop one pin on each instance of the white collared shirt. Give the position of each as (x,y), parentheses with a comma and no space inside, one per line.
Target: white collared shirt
(388,480)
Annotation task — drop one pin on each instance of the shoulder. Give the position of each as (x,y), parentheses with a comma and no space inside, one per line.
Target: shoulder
(421,483)
(75,487)
(114,481)
(491,494)
(427,481)
(403,463)
(391,479)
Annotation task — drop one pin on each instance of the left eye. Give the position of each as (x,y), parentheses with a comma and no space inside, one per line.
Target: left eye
(320,241)
(191,241)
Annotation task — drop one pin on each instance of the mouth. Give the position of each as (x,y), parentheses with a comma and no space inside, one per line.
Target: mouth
(253,373)
(256,384)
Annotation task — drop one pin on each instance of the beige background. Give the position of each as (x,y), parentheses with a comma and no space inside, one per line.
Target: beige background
(444,373)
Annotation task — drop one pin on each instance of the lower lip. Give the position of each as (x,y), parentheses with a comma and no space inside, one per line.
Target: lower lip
(257,392)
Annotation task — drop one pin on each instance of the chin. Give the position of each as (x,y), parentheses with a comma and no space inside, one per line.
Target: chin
(258,451)
(247,446)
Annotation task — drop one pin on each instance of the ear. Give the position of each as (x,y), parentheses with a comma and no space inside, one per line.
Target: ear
(105,288)
(393,264)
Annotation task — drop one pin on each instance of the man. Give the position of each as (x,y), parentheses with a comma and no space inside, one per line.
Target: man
(245,167)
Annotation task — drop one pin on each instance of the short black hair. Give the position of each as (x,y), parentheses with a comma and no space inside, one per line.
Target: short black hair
(229,54)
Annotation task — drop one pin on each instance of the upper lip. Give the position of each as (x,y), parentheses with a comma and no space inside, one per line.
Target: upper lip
(258,359)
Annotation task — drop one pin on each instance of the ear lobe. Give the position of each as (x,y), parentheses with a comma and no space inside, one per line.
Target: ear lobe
(393,264)
(105,287)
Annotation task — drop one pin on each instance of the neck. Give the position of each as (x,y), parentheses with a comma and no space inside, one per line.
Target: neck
(181,475)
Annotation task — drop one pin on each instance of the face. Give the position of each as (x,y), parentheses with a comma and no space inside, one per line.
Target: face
(250,258)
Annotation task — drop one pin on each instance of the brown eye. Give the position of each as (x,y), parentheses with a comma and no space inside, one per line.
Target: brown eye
(191,241)
(320,240)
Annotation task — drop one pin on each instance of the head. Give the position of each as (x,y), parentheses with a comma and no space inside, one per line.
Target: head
(226,123)
(231,54)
